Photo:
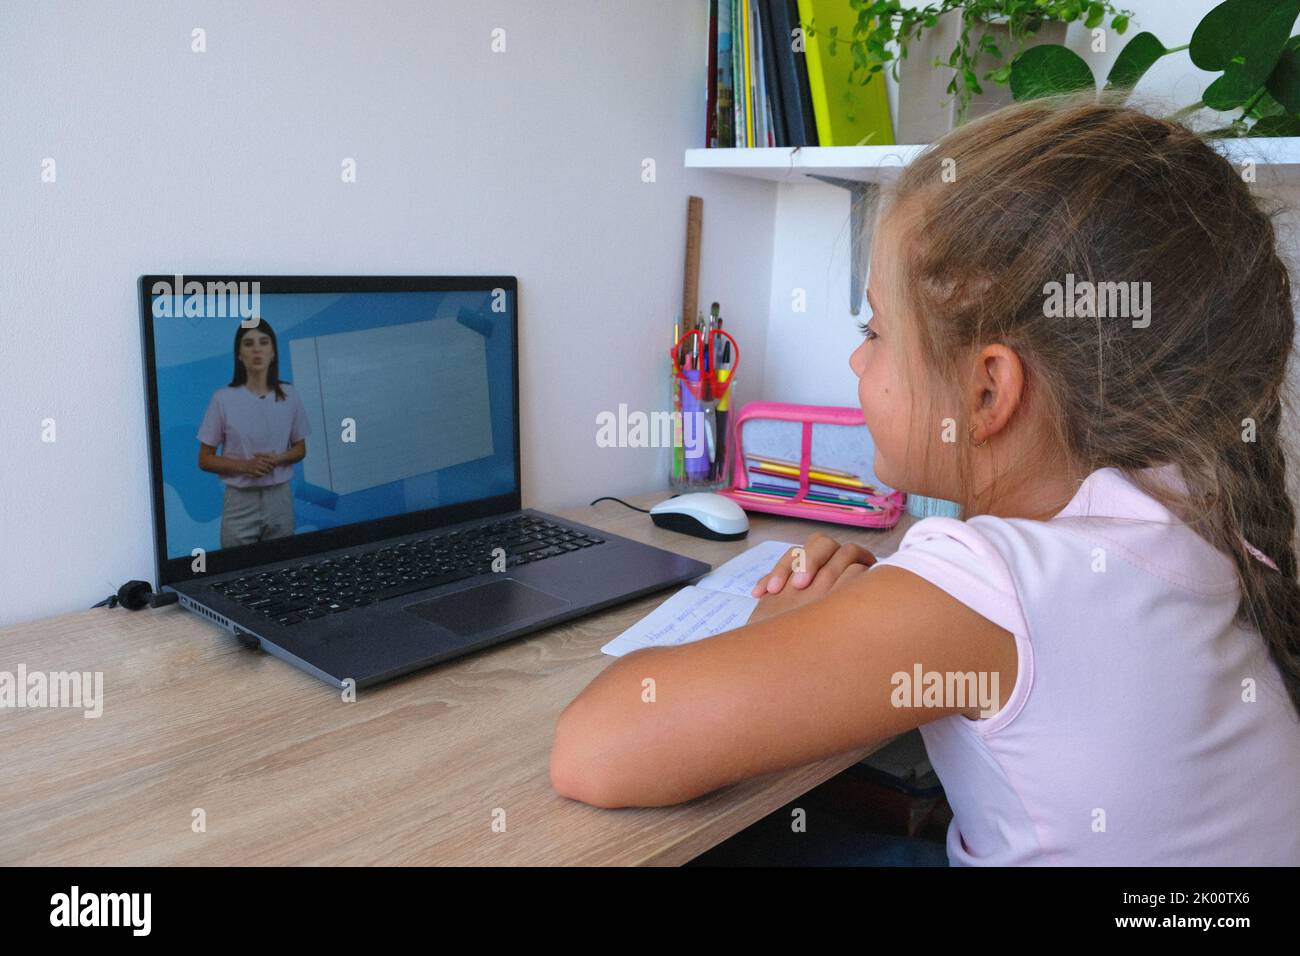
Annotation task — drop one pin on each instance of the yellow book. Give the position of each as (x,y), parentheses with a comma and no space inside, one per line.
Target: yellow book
(866,122)
(749,99)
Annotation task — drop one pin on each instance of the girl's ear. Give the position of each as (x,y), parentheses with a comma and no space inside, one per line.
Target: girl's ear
(998,385)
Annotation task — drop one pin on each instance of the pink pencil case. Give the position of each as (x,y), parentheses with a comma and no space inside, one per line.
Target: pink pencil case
(789,459)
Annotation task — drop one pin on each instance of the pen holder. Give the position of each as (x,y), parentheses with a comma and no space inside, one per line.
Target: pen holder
(700,434)
(704,364)
(808,461)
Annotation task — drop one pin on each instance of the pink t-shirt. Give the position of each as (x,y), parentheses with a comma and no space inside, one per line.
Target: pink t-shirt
(246,424)
(1131,737)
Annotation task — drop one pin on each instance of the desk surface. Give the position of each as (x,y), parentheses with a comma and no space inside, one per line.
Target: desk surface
(414,771)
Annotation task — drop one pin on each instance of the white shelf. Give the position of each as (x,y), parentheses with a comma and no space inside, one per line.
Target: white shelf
(879,164)
(1280,154)
(868,164)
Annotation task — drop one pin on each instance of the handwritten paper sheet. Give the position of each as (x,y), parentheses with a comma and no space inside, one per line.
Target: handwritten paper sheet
(739,575)
(719,602)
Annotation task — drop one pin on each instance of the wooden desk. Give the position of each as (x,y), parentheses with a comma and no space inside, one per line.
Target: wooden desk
(286,773)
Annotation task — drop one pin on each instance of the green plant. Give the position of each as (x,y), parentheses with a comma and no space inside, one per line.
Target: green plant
(1247,42)
(882,23)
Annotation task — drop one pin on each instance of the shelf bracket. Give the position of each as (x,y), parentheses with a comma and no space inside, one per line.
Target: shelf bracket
(862,207)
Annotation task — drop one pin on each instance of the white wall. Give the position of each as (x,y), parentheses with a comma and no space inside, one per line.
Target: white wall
(525,163)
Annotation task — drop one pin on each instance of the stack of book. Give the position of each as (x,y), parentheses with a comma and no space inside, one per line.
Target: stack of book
(772,85)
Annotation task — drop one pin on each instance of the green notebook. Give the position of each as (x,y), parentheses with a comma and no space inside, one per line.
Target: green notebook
(866,120)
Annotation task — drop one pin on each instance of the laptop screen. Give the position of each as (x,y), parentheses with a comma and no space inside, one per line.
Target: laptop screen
(294,415)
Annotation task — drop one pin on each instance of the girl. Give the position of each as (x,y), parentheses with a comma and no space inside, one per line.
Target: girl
(1125,579)
(260,440)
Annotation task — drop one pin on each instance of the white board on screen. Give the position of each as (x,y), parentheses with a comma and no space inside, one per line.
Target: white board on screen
(417,393)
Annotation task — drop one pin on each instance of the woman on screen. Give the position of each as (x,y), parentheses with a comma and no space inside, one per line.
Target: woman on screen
(260,425)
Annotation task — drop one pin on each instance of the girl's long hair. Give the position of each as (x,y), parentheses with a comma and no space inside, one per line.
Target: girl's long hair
(1022,197)
(272,370)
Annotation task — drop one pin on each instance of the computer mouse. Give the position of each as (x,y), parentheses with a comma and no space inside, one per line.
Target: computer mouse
(703,515)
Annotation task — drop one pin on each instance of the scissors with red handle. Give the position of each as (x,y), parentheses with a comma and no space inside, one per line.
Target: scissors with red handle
(705,347)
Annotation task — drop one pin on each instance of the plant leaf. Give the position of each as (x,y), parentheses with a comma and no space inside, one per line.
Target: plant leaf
(1245,38)
(1253,50)
(1284,82)
(1134,60)
(1284,125)
(1047,69)
(1229,91)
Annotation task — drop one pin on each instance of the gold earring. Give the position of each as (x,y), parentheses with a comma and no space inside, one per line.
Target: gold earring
(972,436)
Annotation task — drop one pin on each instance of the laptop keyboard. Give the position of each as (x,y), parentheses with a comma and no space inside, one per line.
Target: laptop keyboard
(289,596)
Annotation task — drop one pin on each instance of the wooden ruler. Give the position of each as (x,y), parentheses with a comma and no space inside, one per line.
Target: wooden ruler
(691,275)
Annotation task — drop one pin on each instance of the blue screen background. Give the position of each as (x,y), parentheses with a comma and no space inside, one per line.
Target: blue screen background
(194,358)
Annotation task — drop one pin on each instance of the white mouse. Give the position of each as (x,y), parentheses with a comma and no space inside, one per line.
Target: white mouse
(703,515)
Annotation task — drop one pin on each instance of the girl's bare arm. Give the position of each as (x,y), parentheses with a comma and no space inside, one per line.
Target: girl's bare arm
(807,683)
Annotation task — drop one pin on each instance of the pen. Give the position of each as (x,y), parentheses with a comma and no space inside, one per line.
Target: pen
(703,325)
(677,403)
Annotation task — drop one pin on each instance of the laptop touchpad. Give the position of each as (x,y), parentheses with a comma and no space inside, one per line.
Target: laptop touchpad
(487,607)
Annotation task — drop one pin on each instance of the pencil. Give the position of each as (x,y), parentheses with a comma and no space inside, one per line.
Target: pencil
(849,509)
(795,465)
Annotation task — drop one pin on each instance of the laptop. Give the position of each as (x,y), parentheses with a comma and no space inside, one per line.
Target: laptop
(335,472)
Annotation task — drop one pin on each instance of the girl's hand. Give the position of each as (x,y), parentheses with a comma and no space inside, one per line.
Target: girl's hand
(835,574)
(821,554)
(827,566)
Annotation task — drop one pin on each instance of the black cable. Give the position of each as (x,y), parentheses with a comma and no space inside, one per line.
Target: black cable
(135,595)
(644,511)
